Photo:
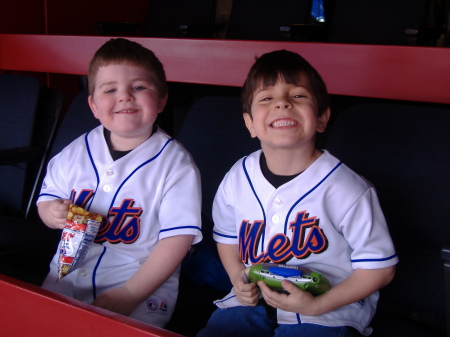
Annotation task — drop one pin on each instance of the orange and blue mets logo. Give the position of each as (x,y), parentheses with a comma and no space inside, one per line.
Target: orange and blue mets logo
(122,224)
(306,238)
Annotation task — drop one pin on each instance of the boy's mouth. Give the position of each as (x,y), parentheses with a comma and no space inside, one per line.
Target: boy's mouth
(128,111)
(283,123)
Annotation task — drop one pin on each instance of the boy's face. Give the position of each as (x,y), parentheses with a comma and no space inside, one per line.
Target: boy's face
(126,101)
(285,116)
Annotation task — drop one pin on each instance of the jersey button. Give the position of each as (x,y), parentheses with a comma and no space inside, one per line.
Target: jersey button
(83,273)
(107,188)
(109,172)
(277,202)
(275,219)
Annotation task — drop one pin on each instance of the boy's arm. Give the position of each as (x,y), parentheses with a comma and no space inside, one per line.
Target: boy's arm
(360,284)
(247,294)
(53,213)
(158,267)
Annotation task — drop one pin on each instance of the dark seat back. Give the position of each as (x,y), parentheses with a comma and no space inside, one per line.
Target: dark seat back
(215,134)
(404,150)
(29,113)
(18,109)
(31,233)
(77,120)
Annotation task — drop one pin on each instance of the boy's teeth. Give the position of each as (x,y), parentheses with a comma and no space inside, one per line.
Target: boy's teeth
(129,110)
(282,123)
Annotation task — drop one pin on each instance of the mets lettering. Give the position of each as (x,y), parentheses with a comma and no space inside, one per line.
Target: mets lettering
(123,222)
(306,238)
(124,226)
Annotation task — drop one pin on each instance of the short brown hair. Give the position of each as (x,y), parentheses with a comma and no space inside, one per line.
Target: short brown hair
(125,51)
(291,67)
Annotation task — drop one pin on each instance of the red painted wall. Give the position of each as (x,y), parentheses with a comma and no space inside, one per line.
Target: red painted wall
(21,17)
(67,17)
(56,17)
(79,17)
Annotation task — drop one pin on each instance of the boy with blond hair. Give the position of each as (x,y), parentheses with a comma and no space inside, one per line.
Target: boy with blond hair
(143,182)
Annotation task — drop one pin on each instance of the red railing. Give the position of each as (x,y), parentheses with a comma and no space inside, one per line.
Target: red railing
(391,72)
(27,310)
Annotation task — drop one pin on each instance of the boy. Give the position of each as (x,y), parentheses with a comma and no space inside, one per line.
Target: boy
(144,183)
(293,204)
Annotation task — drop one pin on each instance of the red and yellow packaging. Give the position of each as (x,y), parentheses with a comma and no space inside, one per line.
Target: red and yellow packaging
(77,236)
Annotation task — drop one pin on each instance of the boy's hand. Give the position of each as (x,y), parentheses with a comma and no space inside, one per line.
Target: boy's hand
(247,293)
(54,212)
(119,300)
(298,300)
(360,284)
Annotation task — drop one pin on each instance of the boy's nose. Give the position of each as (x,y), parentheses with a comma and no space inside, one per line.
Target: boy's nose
(125,95)
(282,104)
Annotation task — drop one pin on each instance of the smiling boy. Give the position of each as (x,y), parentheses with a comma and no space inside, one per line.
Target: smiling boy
(143,182)
(294,204)
(130,115)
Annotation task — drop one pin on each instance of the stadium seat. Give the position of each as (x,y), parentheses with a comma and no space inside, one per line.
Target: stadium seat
(215,134)
(404,151)
(29,113)
(28,239)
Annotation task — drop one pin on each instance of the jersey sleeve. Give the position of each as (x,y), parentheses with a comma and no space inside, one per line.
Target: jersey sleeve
(55,185)
(365,228)
(180,209)
(223,213)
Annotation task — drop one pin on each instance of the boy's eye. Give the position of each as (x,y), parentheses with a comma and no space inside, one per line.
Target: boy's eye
(110,91)
(138,87)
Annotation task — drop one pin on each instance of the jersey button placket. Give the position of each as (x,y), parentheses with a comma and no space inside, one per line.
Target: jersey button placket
(276,219)
(107,187)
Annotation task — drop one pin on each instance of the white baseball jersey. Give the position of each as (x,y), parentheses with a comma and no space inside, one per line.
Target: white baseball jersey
(151,193)
(327,218)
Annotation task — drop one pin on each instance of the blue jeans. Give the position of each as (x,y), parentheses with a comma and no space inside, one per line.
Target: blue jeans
(254,322)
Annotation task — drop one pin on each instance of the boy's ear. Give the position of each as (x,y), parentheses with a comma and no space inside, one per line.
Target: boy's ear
(92,106)
(249,124)
(322,121)
(162,103)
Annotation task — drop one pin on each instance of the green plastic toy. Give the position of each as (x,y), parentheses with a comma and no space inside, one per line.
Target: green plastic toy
(304,278)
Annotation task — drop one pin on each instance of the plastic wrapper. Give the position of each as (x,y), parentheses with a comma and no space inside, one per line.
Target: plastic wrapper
(77,236)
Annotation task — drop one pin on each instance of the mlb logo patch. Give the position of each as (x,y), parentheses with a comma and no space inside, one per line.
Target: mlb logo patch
(156,304)
(152,305)
(163,306)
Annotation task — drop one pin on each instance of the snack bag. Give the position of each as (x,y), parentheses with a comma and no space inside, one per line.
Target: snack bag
(77,236)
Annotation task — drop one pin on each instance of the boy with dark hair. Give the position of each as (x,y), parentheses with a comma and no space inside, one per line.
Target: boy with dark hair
(143,182)
(293,204)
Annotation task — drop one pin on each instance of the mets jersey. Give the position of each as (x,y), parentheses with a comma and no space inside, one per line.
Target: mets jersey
(151,193)
(328,219)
